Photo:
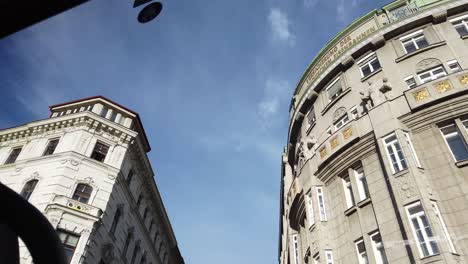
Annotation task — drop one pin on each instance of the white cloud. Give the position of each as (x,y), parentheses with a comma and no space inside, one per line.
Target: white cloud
(275,92)
(280,27)
(340,11)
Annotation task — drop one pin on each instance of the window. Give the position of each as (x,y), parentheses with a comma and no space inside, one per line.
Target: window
(455,142)
(129,177)
(432,74)
(361,252)
(394,153)
(444,227)
(69,242)
(311,117)
(127,243)
(328,256)
(321,203)
(82,193)
(13,155)
(310,209)
(421,230)
(104,112)
(354,113)
(51,147)
(136,250)
(378,248)
(461,25)
(413,151)
(348,190)
(113,116)
(341,122)
(296,249)
(99,152)
(410,81)
(317,259)
(334,89)
(369,64)
(454,66)
(329,131)
(363,190)
(116,220)
(414,41)
(28,189)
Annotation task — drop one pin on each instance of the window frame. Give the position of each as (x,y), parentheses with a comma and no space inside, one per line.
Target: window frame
(310,208)
(295,244)
(433,77)
(329,256)
(459,134)
(376,246)
(100,153)
(461,20)
(395,150)
(336,95)
(406,79)
(311,117)
(321,203)
(367,61)
(361,182)
(10,159)
(81,195)
(348,191)
(354,113)
(341,122)
(413,37)
(361,259)
(68,247)
(436,210)
(409,142)
(426,239)
(454,62)
(45,153)
(26,193)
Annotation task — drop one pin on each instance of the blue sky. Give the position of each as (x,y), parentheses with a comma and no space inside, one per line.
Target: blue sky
(212,81)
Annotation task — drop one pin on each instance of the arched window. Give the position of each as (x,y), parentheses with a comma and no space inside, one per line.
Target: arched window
(28,189)
(82,193)
(116,220)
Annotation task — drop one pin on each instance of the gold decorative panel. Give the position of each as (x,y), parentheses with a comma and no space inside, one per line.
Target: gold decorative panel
(421,95)
(323,152)
(348,132)
(443,86)
(463,79)
(334,142)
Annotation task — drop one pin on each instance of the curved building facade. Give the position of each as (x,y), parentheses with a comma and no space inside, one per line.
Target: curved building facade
(375,167)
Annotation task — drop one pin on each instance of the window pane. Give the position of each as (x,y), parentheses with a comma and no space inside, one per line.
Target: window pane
(13,156)
(366,70)
(375,64)
(462,30)
(422,42)
(409,47)
(455,142)
(335,90)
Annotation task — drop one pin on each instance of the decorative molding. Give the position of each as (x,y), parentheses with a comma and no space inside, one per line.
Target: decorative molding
(463,79)
(427,64)
(339,113)
(420,94)
(334,142)
(443,86)
(323,152)
(348,132)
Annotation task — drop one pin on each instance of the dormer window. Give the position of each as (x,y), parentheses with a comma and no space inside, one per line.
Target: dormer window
(334,89)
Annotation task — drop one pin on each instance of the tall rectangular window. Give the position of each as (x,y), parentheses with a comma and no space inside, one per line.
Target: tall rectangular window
(321,203)
(13,155)
(461,25)
(310,209)
(348,190)
(51,146)
(99,152)
(414,41)
(328,256)
(28,189)
(412,150)
(378,248)
(422,231)
(296,249)
(334,89)
(432,74)
(361,181)
(369,64)
(69,242)
(444,227)
(455,142)
(394,153)
(361,252)
(311,117)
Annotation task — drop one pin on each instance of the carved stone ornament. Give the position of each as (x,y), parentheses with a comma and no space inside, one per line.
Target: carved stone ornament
(427,64)
(421,94)
(463,79)
(443,86)
(323,152)
(405,187)
(334,143)
(339,113)
(348,132)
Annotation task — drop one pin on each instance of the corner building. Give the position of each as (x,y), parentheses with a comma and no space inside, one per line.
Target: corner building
(375,167)
(85,167)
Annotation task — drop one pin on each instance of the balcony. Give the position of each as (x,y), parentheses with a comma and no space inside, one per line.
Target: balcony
(66,202)
(442,88)
(402,11)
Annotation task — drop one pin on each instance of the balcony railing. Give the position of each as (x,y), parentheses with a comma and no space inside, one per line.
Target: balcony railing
(77,206)
(402,11)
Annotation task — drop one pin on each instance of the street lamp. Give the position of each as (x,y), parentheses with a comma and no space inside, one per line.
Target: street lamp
(149,12)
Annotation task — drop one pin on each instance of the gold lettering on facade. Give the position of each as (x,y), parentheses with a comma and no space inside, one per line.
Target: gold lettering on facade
(348,132)
(463,79)
(323,152)
(334,142)
(421,94)
(443,86)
